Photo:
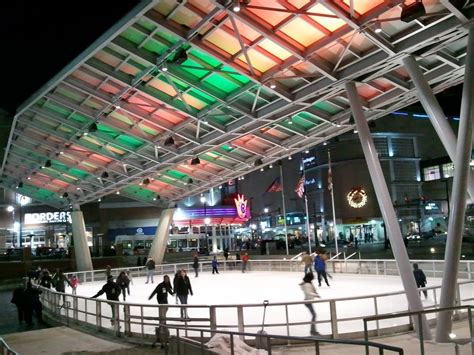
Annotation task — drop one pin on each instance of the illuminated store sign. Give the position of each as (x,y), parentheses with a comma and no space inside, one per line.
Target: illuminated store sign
(241,205)
(47,217)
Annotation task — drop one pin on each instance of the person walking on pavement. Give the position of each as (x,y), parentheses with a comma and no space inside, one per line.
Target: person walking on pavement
(112,293)
(150,265)
(310,293)
(182,287)
(215,264)
(18,299)
(161,291)
(320,267)
(245,260)
(196,265)
(307,260)
(420,279)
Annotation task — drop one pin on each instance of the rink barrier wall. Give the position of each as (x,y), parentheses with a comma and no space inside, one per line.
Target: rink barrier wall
(132,321)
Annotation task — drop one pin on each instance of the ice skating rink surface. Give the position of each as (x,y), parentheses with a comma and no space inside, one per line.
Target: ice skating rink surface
(252,288)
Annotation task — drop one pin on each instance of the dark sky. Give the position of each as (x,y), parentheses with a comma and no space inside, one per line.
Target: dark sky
(39,38)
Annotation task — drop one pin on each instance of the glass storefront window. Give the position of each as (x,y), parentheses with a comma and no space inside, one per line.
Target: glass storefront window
(448,170)
(431,173)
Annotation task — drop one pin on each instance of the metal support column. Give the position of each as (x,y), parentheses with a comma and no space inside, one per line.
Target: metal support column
(458,196)
(158,246)
(436,114)
(386,206)
(81,248)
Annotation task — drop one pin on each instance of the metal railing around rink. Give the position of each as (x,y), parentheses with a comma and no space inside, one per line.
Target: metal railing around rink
(139,319)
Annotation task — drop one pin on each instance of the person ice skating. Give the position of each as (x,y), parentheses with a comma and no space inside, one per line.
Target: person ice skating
(310,293)
(74,282)
(420,279)
(196,265)
(150,265)
(139,261)
(108,271)
(307,260)
(245,260)
(214,264)
(226,254)
(112,292)
(320,267)
(123,282)
(182,287)
(60,281)
(129,275)
(161,291)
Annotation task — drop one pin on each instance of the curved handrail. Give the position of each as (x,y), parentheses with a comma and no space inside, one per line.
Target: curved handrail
(5,349)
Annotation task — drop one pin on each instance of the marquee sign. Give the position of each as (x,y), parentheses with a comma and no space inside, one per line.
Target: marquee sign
(241,205)
(47,217)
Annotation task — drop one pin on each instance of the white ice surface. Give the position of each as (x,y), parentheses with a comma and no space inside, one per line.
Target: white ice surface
(233,287)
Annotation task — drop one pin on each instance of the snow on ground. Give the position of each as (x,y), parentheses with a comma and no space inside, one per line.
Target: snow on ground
(233,287)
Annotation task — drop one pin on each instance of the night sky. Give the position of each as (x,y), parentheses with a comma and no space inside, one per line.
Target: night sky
(39,38)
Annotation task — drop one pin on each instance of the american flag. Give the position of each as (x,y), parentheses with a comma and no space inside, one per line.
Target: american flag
(300,191)
(329,172)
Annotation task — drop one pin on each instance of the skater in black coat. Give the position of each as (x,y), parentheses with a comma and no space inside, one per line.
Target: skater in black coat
(161,291)
(182,287)
(112,292)
(420,279)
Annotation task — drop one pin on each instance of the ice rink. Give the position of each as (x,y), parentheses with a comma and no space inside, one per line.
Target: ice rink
(230,288)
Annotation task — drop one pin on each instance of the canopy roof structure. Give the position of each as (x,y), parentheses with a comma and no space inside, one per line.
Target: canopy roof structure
(183,95)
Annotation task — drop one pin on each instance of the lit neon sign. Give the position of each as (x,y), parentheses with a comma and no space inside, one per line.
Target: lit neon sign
(241,205)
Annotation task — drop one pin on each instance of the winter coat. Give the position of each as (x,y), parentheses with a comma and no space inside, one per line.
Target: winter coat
(182,286)
(150,264)
(309,290)
(111,290)
(46,281)
(420,277)
(123,281)
(195,262)
(161,292)
(319,263)
(214,263)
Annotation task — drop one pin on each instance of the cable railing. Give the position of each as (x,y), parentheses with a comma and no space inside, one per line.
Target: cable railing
(419,316)
(134,319)
(5,349)
(269,341)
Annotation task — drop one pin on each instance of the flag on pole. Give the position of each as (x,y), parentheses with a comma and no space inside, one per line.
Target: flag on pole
(329,172)
(300,190)
(275,186)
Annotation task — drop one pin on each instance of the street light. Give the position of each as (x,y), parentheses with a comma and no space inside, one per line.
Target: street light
(265,210)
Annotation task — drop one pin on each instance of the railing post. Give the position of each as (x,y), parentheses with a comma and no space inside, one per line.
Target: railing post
(469,270)
(376,308)
(212,318)
(116,319)
(366,337)
(232,344)
(126,320)
(333,312)
(98,318)
(376,267)
(240,320)
(420,333)
(75,313)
